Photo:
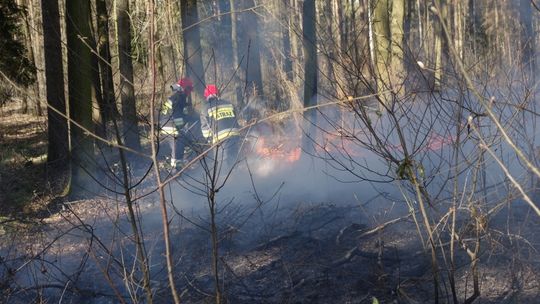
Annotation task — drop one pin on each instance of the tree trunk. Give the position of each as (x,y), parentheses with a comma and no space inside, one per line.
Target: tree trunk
(286,39)
(192,47)
(527,36)
(127,93)
(458,28)
(310,70)
(35,12)
(327,49)
(474,24)
(103,48)
(382,49)
(343,29)
(98,107)
(58,149)
(397,20)
(174,36)
(439,40)
(32,55)
(421,25)
(296,47)
(310,53)
(225,41)
(354,32)
(235,56)
(81,94)
(251,50)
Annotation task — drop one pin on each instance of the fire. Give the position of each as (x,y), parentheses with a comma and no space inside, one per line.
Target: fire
(277,151)
(340,143)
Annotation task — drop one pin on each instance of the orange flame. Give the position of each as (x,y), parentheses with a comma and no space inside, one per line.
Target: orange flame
(278,151)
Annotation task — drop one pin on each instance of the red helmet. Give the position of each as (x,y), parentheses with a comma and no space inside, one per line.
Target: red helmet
(186,84)
(211,91)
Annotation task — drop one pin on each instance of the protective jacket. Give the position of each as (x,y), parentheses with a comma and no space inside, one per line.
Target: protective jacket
(218,120)
(175,114)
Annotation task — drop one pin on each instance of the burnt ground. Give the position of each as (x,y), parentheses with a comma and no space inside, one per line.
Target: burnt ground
(331,254)
(317,252)
(307,253)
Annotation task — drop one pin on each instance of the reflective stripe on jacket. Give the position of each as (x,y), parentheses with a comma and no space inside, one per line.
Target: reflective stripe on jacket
(174,109)
(218,120)
(169,130)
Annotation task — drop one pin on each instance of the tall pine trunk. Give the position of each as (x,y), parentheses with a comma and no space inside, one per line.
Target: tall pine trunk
(285,36)
(105,68)
(235,54)
(30,37)
(192,47)
(250,49)
(527,36)
(127,93)
(310,53)
(439,41)
(224,37)
(58,148)
(81,94)
(397,21)
(310,69)
(98,108)
(382,47)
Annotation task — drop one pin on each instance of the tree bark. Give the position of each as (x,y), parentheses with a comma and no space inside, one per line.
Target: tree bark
(286,39)
(98,107)
(474,23)
(310,53)
(127,93)
(397,20)
(33,52)
(382,49)
(81,94)
(225,41)
(105,68)
(251,49)
(310,70)
(527,36)
(296,45)
(58,148)
(235,54)
(438,48)
(458,28)
(192,47)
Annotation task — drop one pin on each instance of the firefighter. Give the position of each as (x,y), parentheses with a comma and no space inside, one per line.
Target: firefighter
(178,122)
(219,123)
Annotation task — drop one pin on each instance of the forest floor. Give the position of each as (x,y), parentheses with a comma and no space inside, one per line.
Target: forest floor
(23,150)
(317,252)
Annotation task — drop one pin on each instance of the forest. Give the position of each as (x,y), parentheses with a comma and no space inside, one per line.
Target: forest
(269,151)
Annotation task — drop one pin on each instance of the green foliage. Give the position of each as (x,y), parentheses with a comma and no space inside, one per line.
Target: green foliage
(13,60)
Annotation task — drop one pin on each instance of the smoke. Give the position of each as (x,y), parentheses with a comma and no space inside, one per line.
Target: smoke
(273,164)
